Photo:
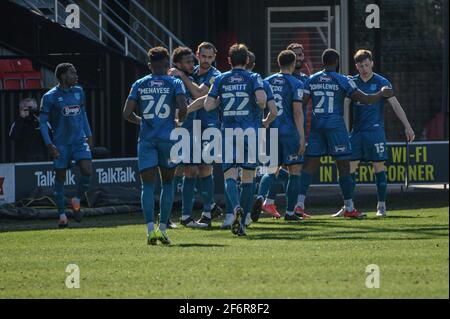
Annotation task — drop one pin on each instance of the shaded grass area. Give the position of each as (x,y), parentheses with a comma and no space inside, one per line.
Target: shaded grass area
(318,258)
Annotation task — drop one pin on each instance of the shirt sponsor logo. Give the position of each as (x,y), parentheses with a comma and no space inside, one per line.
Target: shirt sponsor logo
(71,110)
(324,78)
(157,83)
(278,81)
(236,79)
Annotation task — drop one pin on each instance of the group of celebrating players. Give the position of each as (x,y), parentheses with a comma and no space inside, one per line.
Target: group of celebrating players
(238,99)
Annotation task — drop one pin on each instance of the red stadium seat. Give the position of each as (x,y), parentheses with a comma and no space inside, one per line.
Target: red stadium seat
(22,65)
(6,66)
(32,80)
(12,81)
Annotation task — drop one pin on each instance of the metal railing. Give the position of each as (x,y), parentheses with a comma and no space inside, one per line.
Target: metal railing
(106,24)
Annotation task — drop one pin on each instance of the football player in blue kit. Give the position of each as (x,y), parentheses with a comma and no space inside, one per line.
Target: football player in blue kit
(240,95)
(328,135)
(204,75)
(183,61)
(270,116)
(367,138)
(288,93)
(281,175)
(156,96)
(64,108)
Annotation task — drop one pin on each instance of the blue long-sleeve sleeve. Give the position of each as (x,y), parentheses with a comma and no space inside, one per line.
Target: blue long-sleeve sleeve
(86,126)
(43,124)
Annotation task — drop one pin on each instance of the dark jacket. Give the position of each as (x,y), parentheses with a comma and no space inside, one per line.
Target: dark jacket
(29,145)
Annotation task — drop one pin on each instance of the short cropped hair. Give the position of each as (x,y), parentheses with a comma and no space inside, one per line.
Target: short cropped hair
(294,45)
(158,54)
(361,55)
(62,68)
(251,57)
(330,56)
(179,53)
(206,45)
(238,54)
(28,99)
(286,58)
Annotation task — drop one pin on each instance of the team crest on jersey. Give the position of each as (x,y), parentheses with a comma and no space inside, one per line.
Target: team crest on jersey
(278,81)
(324,78)
(157,83)
(77,95)
(236,79)
(373,87)
(71,110)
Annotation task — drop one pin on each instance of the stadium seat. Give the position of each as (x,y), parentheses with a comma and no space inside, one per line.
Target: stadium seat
(12,81)
(32,80)
(6,66)
(22,65)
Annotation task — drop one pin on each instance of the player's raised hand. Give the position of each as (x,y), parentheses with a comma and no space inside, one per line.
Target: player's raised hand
(387,91)
(174,72)
(410,136)
(54,153)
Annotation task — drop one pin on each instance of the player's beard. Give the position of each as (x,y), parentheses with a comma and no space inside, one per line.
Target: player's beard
(205,65)
(298,66)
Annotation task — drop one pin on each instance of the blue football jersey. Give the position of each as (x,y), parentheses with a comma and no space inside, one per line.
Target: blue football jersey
(156,98)
(302,77)
(269,94)
(188,121)
(328,91)
(236,90)
(67,115)
(207,79)
(286,90)
(369,117)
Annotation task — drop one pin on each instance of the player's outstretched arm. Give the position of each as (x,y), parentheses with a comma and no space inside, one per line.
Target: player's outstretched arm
(299,120)
(360,96)
(210,103)
(196,105)
(272,113)
(195,90)
(128,112)
(261,98)
(182,107)
(398,110)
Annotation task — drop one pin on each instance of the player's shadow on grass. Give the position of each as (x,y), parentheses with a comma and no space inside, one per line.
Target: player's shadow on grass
(414,231)
(187,245)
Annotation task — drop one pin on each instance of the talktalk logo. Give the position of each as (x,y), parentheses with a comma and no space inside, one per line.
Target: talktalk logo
(71,110)
(2,179)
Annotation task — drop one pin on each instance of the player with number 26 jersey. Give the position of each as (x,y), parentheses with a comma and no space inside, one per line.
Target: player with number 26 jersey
(155,96)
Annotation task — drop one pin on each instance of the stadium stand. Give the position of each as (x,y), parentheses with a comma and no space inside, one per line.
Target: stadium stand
(16,74)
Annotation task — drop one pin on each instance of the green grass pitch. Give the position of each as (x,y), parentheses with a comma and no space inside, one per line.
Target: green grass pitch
(318,258)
